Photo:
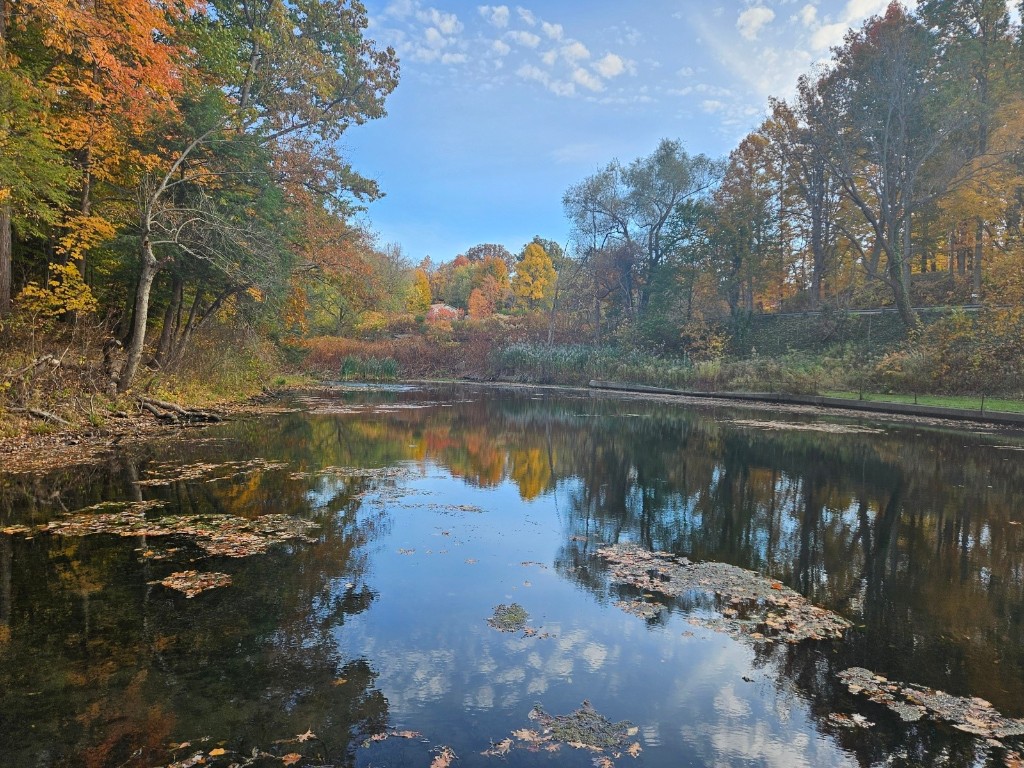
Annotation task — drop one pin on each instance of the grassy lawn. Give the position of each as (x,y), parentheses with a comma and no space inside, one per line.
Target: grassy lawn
(944,401)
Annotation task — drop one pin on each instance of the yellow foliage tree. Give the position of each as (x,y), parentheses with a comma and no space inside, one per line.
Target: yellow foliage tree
(534,282)
(418,300)
(64,292)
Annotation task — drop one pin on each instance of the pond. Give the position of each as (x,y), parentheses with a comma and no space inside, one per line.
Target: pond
(417,576)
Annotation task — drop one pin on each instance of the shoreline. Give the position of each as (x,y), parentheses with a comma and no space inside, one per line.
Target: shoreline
(28,452)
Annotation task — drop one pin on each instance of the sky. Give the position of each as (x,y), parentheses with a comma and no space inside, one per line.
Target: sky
(501,108)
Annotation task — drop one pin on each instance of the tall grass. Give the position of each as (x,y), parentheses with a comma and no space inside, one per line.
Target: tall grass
(369,368)
(578,364)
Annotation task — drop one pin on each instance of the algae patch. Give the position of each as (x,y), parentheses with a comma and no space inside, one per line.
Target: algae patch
(509,618)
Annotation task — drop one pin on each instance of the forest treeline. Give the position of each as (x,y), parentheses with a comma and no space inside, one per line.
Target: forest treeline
(167,165)
(173,199)
(894,177)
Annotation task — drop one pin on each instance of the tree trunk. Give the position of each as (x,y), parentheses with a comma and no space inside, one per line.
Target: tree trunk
(6,243)
(5,208)
(163,348)
(899,277)
(150,267)
(979,250)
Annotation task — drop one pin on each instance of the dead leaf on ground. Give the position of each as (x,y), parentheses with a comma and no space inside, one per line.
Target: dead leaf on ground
(291,758)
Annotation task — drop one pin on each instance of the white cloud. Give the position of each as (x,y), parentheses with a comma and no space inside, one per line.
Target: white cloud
(828,35)
(549,57)
(446,23)
(588,80)
(434,38)
(752,20)
(610,65)
(526,15)
(399,9)
(558,87)
(495,14)
(454,58)
(808,15)
(527,39)
(575,51)
(501,48)
(687,72)
(553,31)
(712,105)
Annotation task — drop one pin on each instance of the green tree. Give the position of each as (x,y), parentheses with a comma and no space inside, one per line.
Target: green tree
(627,208)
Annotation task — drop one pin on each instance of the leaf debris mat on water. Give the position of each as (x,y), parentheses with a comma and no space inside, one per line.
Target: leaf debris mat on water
(374,473)
(584,728)
(913,702)
(755,607)
(192,583)
(819,426)
(509,618)
(216,535)
(170,472)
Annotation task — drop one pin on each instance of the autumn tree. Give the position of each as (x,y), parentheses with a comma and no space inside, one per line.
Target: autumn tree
(878,126)
(974,46)
(282,78)
(418,299)
(534,281)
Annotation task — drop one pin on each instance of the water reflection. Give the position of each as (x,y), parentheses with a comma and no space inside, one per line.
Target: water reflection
(914,534)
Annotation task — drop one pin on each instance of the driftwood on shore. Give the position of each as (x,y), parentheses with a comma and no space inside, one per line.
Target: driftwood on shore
(172,413)
(44,415)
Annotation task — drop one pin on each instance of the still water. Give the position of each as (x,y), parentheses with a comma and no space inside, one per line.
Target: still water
(378,625)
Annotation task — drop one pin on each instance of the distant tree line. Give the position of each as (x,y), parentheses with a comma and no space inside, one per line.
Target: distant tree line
(894,176)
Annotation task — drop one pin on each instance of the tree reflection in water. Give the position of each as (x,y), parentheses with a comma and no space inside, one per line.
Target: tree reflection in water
(914,534)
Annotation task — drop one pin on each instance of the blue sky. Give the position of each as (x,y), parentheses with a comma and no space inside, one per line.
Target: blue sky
(501,108)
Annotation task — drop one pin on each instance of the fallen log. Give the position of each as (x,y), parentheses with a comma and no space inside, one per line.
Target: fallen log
(160,415)
(44,415)
(174,413)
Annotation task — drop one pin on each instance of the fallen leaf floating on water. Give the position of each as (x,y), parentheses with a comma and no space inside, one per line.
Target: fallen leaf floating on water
(835,429)
(170,472)
(913,702)
(584,729)
(217,535)
(218,752)
(193,583)
(291,759)
(444,758)
(752,606)
(385,735)
(500,749)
